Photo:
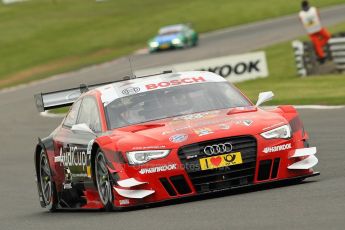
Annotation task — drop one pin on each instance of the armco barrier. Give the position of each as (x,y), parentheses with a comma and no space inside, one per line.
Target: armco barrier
(337,47)
(306,60)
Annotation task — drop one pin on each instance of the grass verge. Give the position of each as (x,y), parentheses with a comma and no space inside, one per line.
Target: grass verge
(40,38)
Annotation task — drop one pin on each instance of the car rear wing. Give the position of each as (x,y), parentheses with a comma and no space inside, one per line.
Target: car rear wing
(57,99)
(63,98)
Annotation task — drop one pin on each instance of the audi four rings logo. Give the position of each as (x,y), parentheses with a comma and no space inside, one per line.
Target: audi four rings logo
(218,149)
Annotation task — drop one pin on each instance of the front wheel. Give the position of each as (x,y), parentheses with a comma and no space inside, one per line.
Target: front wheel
(47,184)
(103,182)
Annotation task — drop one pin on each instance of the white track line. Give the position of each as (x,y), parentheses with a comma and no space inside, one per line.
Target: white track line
(52,115)
(321,107)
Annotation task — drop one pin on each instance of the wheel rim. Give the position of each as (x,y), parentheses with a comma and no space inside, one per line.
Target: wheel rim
(45,179)
(102,178)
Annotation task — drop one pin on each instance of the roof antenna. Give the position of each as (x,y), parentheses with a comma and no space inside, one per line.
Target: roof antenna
(131,67)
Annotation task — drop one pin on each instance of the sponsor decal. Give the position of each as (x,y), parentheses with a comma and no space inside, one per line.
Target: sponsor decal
(124,202)
(164,84)
(240,68)
(197,116)
(73,95)
(79,175)
(89,147)
(131,90)
(191,156)
(221,161)
(158,169)
(247,122)
(218,149)
(203,131)
(73,157)
(224,126)
(176,130)
(178,138)
(234,68)
(277,148)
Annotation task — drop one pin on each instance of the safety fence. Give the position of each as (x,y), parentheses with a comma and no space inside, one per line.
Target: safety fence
(305,58)
(337,47)
(307,62)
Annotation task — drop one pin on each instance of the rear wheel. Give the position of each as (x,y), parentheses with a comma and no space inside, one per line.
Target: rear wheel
(47,184)
(103,182)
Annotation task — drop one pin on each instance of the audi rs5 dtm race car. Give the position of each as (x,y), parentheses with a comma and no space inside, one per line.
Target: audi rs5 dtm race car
(173,36)
(163,137)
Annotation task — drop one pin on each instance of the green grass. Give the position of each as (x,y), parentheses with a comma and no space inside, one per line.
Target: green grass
(291,89)
(44,37)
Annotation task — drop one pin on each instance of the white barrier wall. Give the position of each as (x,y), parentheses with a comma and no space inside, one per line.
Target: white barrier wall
(337,47)
(235,68)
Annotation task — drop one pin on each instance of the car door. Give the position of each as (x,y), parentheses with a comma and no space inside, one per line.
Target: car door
(75,142)
(189,35)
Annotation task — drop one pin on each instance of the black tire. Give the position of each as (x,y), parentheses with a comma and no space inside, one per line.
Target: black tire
(103,183)
(46,182)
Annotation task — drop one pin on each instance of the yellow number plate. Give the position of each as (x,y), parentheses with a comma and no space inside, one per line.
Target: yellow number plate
(221,161)
(164,46)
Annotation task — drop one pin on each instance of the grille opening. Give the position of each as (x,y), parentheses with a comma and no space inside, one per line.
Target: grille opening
(166,184)
(180,184)
(264,169)
(224,177)
(275,168)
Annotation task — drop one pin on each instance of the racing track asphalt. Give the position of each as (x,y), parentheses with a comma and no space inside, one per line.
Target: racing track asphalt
(318,203)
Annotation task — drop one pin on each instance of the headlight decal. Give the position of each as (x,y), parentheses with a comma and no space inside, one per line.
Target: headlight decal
(282,132)
(142,157)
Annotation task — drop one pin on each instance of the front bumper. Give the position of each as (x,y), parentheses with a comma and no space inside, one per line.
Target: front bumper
(278,182)
(293,164)
(165,46)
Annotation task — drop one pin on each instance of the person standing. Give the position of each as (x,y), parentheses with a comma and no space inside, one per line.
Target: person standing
(319,35)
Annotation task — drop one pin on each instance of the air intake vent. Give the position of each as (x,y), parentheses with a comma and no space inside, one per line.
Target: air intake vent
(275,168)
(264,170)
(180,184)
(166,184)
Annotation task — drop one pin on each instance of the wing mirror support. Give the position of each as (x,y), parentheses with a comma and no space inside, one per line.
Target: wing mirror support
(263,97)
(82,128)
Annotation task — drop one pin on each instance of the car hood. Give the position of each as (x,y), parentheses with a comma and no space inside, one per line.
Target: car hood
(184,130)
(166,38)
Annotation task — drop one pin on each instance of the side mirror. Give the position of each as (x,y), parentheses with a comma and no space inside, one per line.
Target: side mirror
(264,96)
(82,128)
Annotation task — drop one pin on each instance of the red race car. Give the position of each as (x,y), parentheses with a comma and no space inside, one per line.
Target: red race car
(161,137)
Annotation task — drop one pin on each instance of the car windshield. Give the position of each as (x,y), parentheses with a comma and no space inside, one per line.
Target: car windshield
(173,101)
(170,30)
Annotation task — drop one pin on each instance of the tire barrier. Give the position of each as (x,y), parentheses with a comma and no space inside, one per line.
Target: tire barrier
(337,47)
(307,62)
(305,58)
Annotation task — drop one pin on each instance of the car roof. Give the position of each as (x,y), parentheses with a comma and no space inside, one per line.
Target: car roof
(170,28)
(121,89)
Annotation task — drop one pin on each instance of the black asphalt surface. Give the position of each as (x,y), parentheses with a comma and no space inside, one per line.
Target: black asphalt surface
(318,203)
